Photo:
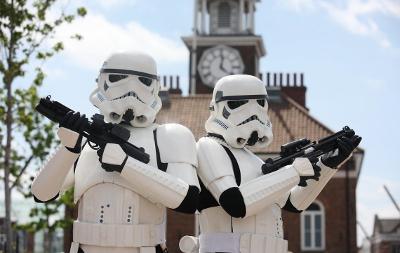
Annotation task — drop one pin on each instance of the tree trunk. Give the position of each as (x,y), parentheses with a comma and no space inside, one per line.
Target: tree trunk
(69,213)
(7,166)
(50,249)
(7,155)
(46,241)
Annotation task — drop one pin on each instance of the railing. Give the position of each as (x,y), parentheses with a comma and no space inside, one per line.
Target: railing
(171,83)
(279,79)
(271,79)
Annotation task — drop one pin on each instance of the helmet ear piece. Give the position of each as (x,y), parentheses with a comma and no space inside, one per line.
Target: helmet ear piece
(93,97)
(212,106)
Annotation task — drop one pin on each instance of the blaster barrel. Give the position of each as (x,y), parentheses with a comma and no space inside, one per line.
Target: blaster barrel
(53,110)
(294,146)
(96,131)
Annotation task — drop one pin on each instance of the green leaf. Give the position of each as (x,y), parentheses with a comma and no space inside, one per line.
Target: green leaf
(59,46)
(81,11)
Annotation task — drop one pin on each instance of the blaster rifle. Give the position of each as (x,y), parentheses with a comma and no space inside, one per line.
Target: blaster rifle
(96,131)
(305,148)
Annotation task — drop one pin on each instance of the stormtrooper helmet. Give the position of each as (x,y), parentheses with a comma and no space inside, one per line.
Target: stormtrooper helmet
(239,112)
(127,89)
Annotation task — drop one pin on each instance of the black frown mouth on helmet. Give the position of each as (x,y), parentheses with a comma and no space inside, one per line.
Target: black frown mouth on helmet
(130,94)
(251,118)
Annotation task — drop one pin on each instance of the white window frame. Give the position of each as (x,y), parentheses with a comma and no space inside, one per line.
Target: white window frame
(395,248)
(312,214)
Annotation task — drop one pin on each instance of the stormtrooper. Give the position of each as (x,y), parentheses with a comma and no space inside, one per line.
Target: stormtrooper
(240,208)
(122,201)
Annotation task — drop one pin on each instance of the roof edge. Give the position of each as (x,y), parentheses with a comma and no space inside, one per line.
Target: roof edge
(305,111)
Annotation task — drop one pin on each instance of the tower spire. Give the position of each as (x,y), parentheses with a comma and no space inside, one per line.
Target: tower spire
(223,42)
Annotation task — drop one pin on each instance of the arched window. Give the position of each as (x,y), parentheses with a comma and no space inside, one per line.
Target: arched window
(313,227)
(224,15)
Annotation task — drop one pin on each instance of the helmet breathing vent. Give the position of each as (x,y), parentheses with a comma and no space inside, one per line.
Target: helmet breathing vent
(222,124)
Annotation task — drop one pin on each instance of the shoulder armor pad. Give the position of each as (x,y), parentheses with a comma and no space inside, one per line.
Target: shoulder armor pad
(176,144)
(214,162)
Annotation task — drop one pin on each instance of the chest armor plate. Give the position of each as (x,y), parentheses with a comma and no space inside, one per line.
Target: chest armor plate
(268,221)
(106,197)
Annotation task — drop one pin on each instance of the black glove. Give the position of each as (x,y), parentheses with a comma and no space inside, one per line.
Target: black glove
(317,173)
(74,122)
(110,167)
(345,147)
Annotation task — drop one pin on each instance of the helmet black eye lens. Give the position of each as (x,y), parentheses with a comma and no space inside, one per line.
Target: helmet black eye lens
(115,78)
(261,102)
(233,104)
(146,81)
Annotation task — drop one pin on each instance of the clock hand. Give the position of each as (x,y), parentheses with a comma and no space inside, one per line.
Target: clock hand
(221,64)
(222,67)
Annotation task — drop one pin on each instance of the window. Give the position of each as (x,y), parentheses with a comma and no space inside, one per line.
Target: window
(224,15)
(313,227)
(396,248)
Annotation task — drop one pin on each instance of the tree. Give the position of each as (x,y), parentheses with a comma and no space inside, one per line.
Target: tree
(25,138)
(43,215)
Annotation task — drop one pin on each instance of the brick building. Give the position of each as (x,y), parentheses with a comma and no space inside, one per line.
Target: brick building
(224,42)
(386,236)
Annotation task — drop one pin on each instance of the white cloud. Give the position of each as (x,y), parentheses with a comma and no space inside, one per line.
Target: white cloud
(94,5)
(102,37)
(54,72)
(299,5)
(355,16)
(116,3)
(351,19)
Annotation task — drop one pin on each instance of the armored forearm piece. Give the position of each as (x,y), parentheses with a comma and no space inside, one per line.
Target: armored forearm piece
(51,177)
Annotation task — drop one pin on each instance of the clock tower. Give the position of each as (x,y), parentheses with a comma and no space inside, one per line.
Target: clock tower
(223,42)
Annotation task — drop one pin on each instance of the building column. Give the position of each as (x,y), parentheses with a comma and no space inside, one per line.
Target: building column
(193,52)
(203,16)
(196,16)
(251,15)
(241,14)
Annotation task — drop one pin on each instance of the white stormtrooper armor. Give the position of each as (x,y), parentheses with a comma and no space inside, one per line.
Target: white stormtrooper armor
(240,208)
(122,200)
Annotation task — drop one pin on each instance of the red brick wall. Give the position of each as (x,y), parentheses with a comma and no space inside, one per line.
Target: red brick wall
(178,225)
(383,247)
(298,94)
(334,201)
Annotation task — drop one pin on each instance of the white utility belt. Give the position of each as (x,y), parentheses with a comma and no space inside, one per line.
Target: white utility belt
(241,243)
(118,235)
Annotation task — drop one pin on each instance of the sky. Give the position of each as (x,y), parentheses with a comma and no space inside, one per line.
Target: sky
(348,50)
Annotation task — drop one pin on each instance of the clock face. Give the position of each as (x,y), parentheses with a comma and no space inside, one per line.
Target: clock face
(218,62)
